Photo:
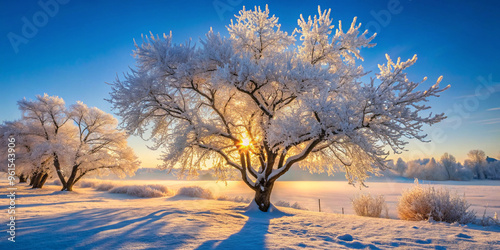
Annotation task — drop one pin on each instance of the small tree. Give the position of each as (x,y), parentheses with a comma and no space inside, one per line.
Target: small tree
(450,165)
(259,103)
(100,146)
(477,163)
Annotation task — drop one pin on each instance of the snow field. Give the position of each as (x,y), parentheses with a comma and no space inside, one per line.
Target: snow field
(158,190)
(87,218)
(335,196)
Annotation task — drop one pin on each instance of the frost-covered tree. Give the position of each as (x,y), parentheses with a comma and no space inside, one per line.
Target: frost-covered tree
(450,165)
(259,101)
(477,163)
(68,142)
(47,129)
(22,149)
(99,146)
(401,166)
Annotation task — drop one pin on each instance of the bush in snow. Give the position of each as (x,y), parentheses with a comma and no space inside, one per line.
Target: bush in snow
(367,205)
(87,184)
(104,186)
(235,199)
(224,198)
(242,199)
(488,220)
(295,205)
(427,203)
(195,191)
(153,190)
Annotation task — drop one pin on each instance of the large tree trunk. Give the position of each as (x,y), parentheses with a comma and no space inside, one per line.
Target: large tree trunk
(263,195)
(36,180)
(32,178)
(40,180)
(23,178)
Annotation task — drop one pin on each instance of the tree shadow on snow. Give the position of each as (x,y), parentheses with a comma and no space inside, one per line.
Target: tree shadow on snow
(251,236)
(99,229)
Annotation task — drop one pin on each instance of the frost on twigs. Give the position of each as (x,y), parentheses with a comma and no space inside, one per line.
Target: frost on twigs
(295,101)
(367,205)
(428,203)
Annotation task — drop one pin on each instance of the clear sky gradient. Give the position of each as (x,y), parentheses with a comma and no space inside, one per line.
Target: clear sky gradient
(72,48)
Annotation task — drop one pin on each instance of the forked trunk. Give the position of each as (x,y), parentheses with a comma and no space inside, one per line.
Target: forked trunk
(263,196)
(68,186)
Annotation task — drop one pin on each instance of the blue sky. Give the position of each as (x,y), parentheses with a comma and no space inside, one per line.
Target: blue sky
(78,46)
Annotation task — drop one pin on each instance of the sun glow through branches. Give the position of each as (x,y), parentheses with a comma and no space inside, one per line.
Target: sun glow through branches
(245,142)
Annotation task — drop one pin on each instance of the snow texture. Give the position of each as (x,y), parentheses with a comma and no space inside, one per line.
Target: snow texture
(50,219)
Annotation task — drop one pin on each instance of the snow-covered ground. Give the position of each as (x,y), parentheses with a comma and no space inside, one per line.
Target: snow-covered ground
(335,195)
(50,219)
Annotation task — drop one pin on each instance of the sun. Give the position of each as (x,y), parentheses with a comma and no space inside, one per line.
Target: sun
(245,142)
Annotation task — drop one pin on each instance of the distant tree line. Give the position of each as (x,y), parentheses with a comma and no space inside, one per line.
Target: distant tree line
(476,166)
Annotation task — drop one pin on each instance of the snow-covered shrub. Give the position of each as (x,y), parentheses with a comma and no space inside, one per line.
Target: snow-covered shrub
(242,199)
(87,184)
(295,205)
(57,182)
(153,190)
(104,186)
(428,203)
(488,220)
(223,198)
(235,199)
(195,191)
(281,203)
(367,205)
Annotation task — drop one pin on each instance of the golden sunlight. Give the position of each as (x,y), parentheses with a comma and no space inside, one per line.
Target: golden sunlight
(245,142)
